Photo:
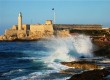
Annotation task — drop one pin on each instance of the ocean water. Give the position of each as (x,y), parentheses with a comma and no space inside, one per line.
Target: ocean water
(40,60)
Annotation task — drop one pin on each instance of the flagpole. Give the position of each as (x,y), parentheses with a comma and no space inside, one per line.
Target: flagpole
(54,16)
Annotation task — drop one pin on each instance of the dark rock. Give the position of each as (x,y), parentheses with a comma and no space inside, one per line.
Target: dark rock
(82,56)
(91,75)
(104,51)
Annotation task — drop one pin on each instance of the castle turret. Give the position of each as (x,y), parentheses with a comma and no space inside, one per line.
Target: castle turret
(48,22)
(20,21)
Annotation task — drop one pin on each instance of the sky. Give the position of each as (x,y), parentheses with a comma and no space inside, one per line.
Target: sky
(66,12)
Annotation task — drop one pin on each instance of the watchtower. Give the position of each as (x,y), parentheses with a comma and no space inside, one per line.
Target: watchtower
(20,21)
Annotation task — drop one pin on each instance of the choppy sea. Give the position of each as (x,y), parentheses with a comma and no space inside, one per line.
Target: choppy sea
(40,60)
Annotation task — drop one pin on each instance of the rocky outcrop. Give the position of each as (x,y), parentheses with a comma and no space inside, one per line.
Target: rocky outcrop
(21,37)
(91,75)
(7,38)
(11,38)
(1,37)
(104,51)
(82,65)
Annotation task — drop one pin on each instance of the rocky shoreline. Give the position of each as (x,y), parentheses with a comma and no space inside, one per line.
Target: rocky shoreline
(21,40)
(92,75)
(92,70)
(86,65)
(88,70)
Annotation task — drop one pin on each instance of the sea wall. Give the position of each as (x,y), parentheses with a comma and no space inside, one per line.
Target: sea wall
(77,26)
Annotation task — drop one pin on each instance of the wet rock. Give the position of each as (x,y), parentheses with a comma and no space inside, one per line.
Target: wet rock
(71,71)
(82,65)
(91,75)
(104,51)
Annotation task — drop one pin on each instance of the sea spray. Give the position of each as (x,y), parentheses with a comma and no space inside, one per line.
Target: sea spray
(53,51)
(59,50)
(69,48)
(83,45)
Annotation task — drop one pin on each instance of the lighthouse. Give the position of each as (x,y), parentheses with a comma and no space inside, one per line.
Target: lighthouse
(20,21)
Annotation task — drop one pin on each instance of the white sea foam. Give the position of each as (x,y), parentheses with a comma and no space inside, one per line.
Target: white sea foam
(105,61)
(42,75)
(69,48)
(36,75)
(57,66)
(33,58)
(12,72)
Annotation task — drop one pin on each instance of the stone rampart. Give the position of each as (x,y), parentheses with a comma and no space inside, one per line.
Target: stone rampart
(77,27)
(48,28)
(62,33)
(21,34)
(36,27)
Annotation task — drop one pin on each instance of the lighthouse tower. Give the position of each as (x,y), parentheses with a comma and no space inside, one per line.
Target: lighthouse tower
(20,21)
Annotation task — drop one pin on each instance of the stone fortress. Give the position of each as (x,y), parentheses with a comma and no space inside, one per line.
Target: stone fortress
(40,31)
(28,32)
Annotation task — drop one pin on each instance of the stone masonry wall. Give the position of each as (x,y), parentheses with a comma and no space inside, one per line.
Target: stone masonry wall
(21,34)
(35,27)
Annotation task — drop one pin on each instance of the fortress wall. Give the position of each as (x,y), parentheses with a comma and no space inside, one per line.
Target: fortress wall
(77,27)
(35,27)
(48,28)
(44,30)
(62,33)
(26,27)
(21,34)
(87,27)
(21,31)
(48,22)
(35,35)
